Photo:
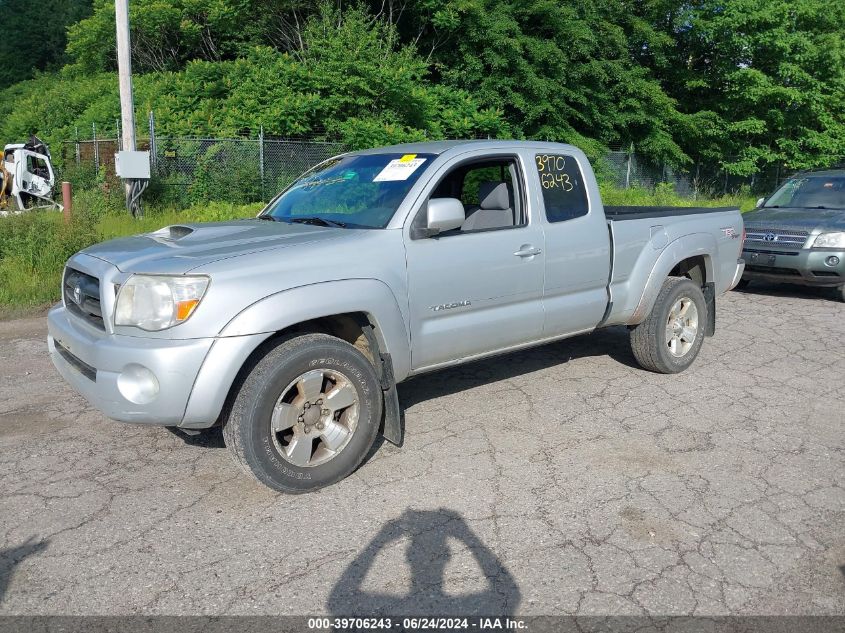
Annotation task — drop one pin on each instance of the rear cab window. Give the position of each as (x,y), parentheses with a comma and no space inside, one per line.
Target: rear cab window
(563,187)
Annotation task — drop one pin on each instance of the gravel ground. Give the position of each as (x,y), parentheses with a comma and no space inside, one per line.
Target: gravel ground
(560,480)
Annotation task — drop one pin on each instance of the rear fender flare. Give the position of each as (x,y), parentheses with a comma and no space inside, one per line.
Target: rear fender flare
(693,245)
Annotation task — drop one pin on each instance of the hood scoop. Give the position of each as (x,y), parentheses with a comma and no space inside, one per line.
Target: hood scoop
(172,233)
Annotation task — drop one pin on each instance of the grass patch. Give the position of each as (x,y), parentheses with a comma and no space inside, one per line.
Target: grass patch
(35,246)
(121,224)
(664,195)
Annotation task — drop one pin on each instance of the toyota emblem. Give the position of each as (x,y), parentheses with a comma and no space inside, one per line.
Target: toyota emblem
(77,295)
(771,237)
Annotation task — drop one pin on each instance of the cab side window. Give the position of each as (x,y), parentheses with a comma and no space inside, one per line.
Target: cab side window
(490,192)
(564,191)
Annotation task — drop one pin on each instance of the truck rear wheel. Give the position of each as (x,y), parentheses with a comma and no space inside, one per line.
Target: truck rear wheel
(671,336)
(306,415)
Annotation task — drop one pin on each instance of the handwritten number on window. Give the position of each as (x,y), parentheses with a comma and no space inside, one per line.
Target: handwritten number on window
(552,172)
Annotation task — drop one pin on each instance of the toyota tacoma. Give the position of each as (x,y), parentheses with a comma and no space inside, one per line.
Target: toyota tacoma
(292,329)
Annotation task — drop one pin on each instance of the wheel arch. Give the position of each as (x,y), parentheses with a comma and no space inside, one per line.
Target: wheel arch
(690,256)
(337,306)
(308,309)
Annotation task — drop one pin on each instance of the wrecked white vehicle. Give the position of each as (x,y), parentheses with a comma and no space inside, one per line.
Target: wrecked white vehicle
(27,177)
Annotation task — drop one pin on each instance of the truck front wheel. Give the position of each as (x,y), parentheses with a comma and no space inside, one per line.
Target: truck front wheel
(670,338)
(306,415)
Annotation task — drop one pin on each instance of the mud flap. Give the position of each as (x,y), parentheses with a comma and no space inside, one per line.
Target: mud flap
(710,300)
(393,424)
(393,428)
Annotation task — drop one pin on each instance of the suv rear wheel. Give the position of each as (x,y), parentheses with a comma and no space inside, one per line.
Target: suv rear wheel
(670,337)
(306,415)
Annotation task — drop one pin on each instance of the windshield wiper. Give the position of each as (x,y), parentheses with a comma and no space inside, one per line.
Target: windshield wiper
(318,222)
(267,217)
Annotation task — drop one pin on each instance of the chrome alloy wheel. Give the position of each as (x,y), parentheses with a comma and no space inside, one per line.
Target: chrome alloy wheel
(682,327)
(315,417)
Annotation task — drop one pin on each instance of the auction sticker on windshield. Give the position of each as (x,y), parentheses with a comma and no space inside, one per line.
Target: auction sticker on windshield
(399,168)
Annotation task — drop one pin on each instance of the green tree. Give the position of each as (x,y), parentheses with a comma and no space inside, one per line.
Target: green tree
(762,82)
(33,36)
(742,83)
(166,34)
(559,71)
(351,80)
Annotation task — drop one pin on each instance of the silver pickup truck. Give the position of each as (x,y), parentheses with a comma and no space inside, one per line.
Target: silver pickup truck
(292,329)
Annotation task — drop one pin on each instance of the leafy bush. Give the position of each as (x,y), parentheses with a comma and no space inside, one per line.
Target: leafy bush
(224,174)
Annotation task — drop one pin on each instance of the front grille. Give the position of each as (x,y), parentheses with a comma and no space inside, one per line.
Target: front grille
(82,297)
(776,237)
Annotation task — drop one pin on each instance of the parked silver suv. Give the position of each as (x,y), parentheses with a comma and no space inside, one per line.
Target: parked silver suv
(798,234)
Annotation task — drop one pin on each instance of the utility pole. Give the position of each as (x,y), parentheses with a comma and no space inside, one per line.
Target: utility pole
(132,166)
(124,74)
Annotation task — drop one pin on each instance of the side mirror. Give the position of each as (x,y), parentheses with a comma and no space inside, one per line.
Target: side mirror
(759,203)
(442,214)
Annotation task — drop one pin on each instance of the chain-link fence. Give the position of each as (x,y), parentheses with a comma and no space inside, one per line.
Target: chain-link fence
(626,169)
(191,170)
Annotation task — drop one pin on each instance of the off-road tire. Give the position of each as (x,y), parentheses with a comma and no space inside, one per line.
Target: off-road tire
(648,339)
(840,293)
(247,430)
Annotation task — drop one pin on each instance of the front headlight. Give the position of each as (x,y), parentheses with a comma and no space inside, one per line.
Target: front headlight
(830,240)
(157,302)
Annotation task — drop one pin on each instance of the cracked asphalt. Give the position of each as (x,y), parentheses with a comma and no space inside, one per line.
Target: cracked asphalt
(560,480)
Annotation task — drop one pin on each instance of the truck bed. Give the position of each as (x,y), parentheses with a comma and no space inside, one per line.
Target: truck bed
(649,239)
(621,213)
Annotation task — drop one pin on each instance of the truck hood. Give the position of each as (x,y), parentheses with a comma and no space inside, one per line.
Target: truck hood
(180,248)
(797,218)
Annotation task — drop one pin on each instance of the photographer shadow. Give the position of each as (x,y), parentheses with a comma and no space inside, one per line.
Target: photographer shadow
(427,554)
(12,557)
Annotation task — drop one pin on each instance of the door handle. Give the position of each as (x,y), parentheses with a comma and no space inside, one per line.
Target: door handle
(526,250)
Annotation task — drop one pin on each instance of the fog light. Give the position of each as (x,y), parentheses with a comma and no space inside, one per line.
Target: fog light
(833,260)
(137,384)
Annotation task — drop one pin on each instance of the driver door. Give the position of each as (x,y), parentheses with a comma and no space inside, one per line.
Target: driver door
(474,291)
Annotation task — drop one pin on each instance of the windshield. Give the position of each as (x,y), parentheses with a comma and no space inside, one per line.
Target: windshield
(811,192)
(350,191)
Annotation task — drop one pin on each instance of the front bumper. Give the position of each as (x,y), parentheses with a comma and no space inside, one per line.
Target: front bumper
(92,362)
(809,267)
(193,376)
